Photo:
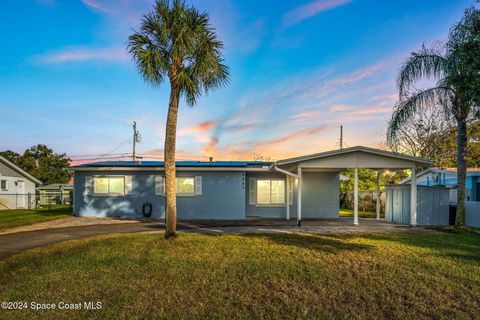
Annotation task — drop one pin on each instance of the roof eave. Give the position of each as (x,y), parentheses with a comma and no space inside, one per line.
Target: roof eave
(245,169)
(421,161)
(21,171)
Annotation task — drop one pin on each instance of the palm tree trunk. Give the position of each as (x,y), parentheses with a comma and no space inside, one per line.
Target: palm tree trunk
(461,171)
(169,155)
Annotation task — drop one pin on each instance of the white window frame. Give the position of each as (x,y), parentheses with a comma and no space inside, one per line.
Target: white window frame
(270,204)
(109,194)
(183,194)
(6,185)
(197,186)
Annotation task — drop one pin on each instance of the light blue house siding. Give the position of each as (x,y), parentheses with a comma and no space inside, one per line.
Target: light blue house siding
(130,205)
(254,210)
(222,197)
(320,195)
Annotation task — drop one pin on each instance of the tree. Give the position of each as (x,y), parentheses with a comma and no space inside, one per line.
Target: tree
(176,41)
(451,91)
(42,163)
(427,134)
(45,165)
(10,155)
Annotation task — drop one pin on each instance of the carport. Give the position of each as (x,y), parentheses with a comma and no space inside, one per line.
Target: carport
(358,157)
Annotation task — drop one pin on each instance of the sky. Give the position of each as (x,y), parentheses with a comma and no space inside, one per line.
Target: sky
(299,70)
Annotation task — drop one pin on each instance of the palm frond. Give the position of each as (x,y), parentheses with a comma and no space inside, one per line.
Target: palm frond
(425,63)
(176,40)
(406,108)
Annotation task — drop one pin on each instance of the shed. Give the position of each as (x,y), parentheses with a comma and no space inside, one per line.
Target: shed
(432,205)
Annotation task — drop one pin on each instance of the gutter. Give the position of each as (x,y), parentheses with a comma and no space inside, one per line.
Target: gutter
(288,173)
(218,169)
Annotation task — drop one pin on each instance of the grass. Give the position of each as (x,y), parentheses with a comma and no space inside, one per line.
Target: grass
(384,276)
(21,217)
(361,214)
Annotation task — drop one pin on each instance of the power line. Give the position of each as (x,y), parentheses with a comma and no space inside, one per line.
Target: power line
(104,155)
(95,155)
(127,155)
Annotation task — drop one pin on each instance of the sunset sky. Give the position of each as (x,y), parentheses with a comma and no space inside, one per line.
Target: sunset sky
(299,69)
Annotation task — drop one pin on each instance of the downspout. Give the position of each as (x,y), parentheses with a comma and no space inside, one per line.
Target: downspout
(287,204)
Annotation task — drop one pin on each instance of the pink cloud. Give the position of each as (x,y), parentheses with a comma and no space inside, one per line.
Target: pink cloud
(340,108)
(276,148)
(311,9)
(84,54)
(199,128)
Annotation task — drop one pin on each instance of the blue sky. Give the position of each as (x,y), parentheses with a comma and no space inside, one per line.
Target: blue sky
(299,70)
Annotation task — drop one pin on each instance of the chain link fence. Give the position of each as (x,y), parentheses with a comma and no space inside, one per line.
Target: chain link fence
(11,201)
(367,200)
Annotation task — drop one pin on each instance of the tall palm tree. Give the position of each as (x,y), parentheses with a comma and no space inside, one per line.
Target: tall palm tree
(456,69)
(442,66)
(176,41)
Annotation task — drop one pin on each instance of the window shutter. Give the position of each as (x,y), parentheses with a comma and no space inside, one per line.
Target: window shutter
(159,185)
(291,182)
(88,185)
(252,191)
(128,184)
(198,185)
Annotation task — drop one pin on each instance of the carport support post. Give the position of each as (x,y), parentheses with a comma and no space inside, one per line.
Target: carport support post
(355,197)
(413,198)
(378,195)
(287,181)
(299,200)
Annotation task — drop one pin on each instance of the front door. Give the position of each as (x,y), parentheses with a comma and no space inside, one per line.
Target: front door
(21,196)
(478,192)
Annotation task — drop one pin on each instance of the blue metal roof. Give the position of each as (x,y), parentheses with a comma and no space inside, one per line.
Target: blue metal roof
(198,164)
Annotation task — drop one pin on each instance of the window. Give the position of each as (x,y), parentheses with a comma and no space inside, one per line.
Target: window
(4,185)
(185,185)
(270,192)
(109,185)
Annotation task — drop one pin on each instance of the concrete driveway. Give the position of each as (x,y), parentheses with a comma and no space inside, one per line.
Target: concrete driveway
(24,239)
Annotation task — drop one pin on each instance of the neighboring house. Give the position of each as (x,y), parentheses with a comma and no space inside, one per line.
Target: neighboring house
(17,187)
(305,187)
(55,193)
(448,177)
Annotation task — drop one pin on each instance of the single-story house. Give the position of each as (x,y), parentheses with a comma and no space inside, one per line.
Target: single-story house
(448,177)
(302,187)
(55,193)
(17,187)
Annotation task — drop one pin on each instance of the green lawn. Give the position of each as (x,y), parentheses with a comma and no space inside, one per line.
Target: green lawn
(384,276)
(361,214)
(21,217)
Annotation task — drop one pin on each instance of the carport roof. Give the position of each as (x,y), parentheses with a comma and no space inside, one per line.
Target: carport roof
(419,162)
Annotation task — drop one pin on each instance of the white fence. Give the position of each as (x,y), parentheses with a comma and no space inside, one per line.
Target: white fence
(17,201)
(472,214)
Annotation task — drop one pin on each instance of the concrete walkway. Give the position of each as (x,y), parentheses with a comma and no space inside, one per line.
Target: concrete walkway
(14,242)
(66,223)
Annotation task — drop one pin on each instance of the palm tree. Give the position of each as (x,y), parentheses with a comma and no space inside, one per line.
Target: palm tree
(176,41)
(456,69)
(447,93)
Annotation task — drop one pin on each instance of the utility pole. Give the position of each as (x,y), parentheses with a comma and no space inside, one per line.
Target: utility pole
(136,138)
(341,137)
